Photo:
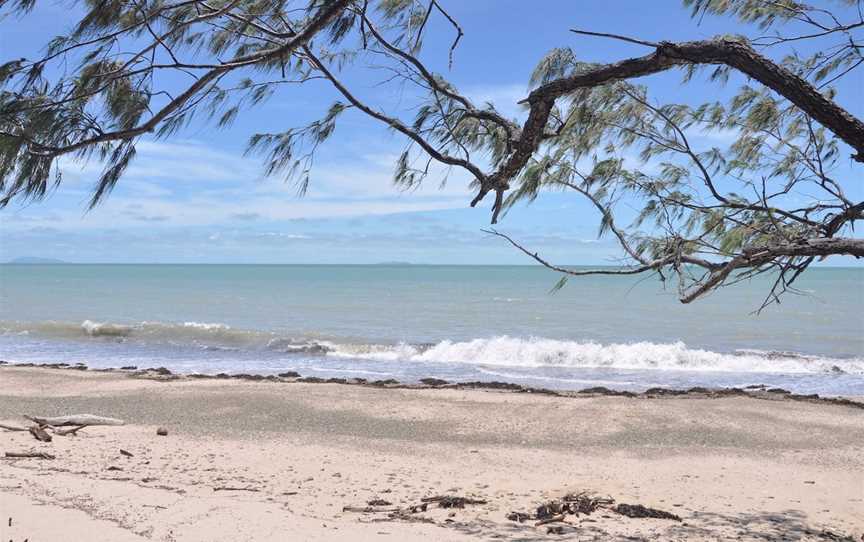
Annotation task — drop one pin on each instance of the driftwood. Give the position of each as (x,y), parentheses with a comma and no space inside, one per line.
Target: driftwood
(379,506)
(75,419)
(71,431)
(229,488)
(394,511)
(12,427)
(124,452)
(452,501)
(29,455)
(40,434)
(370,509)
(639,511)
(551,519)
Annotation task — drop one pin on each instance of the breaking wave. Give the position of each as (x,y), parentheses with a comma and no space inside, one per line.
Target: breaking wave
(213,335)
(502,351)
(507,351)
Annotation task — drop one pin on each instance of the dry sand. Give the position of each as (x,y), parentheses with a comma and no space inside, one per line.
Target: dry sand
(733,468)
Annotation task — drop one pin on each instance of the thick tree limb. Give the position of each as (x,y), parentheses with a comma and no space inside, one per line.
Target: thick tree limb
(735,54)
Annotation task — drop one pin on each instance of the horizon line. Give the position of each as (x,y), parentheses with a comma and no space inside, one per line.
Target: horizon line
(375,264)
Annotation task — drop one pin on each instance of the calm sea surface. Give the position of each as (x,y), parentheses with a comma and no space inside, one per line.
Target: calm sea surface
(451,322)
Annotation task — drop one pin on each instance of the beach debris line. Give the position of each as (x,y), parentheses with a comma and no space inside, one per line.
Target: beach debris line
(585,503)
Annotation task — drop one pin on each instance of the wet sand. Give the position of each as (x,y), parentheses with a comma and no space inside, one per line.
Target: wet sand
(295,454)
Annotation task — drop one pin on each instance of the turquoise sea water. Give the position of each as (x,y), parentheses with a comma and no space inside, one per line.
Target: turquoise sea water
(452,322)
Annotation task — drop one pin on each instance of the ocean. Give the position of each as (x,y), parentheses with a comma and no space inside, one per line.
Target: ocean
(458,323)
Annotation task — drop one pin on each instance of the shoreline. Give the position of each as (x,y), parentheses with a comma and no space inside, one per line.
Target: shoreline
(249,460)
(756,391)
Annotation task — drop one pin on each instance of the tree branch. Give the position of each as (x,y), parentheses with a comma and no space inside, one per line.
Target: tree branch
(300,39)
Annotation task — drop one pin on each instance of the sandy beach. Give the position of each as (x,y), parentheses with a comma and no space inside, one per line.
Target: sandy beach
(281,461)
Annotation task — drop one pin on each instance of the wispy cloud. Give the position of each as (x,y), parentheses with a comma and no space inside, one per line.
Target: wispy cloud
(190,183)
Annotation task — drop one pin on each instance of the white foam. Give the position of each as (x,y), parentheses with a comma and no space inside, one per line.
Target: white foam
(206,327)
(103,329)
(505,351)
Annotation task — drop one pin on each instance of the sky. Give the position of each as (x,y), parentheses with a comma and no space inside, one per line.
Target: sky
(195,198)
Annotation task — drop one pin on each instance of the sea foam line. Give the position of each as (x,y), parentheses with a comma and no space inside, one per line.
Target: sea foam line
(533,352)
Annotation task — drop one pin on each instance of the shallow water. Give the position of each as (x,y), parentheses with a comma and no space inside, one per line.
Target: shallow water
(451,322)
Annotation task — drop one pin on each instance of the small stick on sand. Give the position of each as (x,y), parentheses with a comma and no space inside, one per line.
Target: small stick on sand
(12,427)
(29,455)
(228,488)
(452,501)
(75,419)
(553,519)
(370,509)
(71,431)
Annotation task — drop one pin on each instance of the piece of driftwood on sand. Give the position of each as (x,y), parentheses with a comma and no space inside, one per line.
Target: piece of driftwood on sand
(60,425)
(29,455)
(69,431)
(75,419)
(12,427)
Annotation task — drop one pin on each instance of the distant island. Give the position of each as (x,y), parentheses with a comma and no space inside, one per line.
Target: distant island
(33,259)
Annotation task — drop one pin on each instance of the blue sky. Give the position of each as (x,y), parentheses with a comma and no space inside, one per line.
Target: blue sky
(196,198)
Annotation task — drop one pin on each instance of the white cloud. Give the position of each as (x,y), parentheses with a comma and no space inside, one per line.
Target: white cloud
(159,161)
(190,161)
(191,183)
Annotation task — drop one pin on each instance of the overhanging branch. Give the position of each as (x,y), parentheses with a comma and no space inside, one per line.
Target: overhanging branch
(735,54)
(717,272)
